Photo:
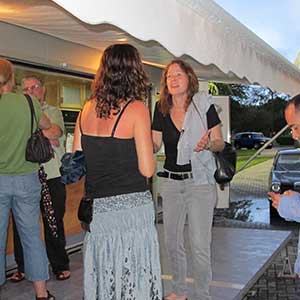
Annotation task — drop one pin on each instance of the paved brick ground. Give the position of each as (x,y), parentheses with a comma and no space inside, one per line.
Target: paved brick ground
(253,182)
(269,286)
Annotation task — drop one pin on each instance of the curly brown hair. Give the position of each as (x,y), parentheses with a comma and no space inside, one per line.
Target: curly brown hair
(120,76)
(165,101)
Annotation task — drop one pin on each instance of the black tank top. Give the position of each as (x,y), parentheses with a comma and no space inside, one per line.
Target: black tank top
(111,165)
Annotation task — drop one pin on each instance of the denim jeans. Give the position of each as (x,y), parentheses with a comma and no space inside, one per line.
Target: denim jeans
(22,194)
(182,198)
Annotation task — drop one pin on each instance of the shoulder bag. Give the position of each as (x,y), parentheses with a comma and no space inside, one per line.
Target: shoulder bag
(85,212)
(38,148)
(225,161)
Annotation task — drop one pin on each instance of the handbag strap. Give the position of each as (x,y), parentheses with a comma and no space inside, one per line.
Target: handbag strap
(32,111)
(118,119)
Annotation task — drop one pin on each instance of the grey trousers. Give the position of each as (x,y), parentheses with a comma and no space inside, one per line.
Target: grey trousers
(182,198)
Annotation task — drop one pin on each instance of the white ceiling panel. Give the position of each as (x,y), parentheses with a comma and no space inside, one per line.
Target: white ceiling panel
(199,31)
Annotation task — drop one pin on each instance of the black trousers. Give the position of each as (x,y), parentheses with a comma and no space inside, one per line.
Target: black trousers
(55,247)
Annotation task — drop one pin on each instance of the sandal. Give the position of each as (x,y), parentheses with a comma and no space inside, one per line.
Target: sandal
(17,277)
(171,296)
(49,297)
(63,275)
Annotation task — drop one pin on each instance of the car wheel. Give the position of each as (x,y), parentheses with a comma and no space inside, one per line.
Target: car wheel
(256,146)
(237,146)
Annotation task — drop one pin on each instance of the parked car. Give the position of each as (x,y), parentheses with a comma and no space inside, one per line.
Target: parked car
(250,140)
(284,174)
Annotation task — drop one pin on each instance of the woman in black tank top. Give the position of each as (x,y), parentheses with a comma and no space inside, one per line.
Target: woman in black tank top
(121,253)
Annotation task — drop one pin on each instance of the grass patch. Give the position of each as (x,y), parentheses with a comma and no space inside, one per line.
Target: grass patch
(244,155)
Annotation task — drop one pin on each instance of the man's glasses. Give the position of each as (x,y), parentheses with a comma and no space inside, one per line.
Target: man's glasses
(31,88)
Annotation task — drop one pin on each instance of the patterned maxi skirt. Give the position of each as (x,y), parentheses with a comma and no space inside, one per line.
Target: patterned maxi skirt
(121,253)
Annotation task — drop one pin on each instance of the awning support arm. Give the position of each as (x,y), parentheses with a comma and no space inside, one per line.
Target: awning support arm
(263,148)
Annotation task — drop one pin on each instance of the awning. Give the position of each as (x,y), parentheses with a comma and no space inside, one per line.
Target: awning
(218,46)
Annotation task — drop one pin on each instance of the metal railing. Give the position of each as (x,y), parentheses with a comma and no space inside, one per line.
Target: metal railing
(262,148)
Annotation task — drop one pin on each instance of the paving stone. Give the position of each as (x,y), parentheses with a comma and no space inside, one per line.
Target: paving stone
(269,286)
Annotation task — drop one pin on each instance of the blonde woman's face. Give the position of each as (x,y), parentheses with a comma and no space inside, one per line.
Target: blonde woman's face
(177,80)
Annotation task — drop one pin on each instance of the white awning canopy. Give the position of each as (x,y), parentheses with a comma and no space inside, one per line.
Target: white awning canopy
(199,31)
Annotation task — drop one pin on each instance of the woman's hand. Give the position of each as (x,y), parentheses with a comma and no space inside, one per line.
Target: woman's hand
(203,143)
(212,140)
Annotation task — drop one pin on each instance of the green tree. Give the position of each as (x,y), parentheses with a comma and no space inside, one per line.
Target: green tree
(254,108)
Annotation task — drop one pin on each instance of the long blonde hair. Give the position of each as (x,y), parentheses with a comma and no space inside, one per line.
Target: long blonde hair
(6,72)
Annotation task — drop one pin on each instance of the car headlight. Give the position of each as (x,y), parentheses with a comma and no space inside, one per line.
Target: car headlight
(275,187)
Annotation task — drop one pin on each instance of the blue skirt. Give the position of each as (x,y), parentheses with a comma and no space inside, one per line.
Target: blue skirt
(121,253)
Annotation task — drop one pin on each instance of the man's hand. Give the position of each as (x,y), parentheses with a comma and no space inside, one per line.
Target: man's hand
(289,193)
(276,197)
(54,143)
(53,133)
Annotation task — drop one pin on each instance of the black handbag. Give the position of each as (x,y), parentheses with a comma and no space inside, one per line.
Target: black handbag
(226,164)
(38,148)
(85,211)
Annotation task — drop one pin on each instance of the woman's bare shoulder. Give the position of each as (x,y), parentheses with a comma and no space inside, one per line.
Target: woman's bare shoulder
(90,103)
(88,106)
(138,106)
(138,111)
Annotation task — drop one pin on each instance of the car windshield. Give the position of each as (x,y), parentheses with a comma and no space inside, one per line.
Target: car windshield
(258,135)
(288,162)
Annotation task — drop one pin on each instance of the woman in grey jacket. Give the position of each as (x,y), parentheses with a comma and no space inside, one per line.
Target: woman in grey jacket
(188,186)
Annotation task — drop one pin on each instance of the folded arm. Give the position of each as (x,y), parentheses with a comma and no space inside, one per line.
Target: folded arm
(54,132)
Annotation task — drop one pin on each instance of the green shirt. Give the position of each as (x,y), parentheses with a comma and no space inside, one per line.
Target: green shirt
(56,117)
(15,130)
